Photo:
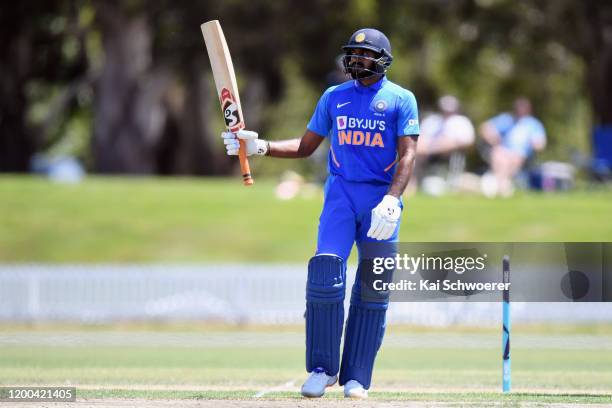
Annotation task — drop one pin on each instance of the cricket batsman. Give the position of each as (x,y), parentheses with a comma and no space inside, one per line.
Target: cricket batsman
(372,125)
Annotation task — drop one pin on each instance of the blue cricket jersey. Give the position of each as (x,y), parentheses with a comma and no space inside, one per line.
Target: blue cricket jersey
(363,124)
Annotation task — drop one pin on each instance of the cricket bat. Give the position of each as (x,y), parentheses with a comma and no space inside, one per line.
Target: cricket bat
(227,89)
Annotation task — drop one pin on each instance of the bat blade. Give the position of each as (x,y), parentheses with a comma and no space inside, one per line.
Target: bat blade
(227,88)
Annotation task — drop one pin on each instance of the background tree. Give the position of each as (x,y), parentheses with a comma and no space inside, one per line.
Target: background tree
(126,86)
(42,47)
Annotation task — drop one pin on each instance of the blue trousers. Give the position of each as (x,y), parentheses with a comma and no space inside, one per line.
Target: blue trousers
(347,214)
(345,220)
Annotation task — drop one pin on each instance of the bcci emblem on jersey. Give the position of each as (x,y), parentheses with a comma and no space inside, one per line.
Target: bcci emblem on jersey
(380,105)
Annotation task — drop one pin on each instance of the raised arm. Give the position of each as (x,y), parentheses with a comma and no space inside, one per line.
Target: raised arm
(295,148)
(291,148)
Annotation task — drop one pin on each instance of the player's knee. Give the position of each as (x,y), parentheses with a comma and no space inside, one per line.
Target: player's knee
(370,299)
(326,279)
(367,291)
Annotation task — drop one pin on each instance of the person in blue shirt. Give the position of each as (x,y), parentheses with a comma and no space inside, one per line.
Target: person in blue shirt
(513,139)
(372,125)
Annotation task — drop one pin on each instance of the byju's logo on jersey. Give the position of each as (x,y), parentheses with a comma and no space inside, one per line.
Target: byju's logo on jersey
(344,122)
(356,131)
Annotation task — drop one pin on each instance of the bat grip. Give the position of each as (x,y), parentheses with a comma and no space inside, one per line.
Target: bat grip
(245,168)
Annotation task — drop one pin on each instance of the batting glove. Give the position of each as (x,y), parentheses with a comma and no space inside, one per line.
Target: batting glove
(385,217)
(253,144)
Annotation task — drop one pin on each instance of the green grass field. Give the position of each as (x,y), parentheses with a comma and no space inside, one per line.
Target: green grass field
(118,220)
(184,220)
(239,370)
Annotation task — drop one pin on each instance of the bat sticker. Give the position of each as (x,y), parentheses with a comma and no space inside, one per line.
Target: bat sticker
(233,121)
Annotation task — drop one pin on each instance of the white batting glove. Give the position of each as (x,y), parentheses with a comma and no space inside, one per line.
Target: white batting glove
(385,217)
(253,144)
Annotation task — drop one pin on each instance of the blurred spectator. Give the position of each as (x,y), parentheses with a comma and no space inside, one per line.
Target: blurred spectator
(61,169)
(444,138)
(513,138)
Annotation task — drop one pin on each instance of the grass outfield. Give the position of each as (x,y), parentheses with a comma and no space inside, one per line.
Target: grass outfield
(561,373)
(182,220)
(471,398)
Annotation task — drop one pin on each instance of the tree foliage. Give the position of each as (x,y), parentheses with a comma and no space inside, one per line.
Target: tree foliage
(126,86)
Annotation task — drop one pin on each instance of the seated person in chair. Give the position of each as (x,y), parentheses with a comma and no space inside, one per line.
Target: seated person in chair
(443,134)
(513,138)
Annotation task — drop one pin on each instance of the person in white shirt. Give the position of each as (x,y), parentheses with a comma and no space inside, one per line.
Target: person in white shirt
(442,134)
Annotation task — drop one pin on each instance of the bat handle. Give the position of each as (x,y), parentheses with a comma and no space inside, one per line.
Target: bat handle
(245,168)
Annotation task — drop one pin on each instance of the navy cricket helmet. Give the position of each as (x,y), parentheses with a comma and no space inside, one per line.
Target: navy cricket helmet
(368,39)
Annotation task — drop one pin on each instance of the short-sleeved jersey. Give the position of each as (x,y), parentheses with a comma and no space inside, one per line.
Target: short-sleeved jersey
(363,124)
(519,134)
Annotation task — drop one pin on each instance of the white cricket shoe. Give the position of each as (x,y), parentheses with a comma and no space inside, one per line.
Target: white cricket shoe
(353,389)
(316,383)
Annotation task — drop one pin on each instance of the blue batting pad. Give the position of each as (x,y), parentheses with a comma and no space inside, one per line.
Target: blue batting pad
(365,329)
(324,312)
